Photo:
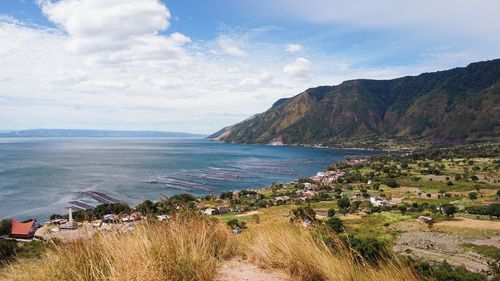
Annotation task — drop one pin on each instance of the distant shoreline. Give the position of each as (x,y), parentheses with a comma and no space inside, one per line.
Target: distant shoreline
(89,133)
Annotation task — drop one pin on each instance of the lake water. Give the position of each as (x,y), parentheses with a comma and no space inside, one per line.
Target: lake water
(38,177)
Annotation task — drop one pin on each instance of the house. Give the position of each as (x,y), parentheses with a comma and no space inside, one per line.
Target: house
(108,218)
(210,211)
(310,194)
(424,219)
(162,217)
(23,230)
(379,202)
(222,209)
(321,174)
(316,179)
(280,199)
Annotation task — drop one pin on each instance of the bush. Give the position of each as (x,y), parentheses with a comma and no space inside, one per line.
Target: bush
(7,250)
(369,248)
(444,272)
(304,213)
(473,195)
(392,183)
(335,224)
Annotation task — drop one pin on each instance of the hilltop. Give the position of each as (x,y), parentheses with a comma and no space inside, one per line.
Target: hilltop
(459,105)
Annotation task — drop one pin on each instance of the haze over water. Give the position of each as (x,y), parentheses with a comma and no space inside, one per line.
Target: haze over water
(38,177)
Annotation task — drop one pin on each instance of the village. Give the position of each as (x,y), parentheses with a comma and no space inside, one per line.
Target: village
(402,205)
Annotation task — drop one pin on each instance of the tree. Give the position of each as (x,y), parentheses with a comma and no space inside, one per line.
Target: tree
(226,195)
(474,178)
(5,226)
(146,207)
(473,195)
(402,209)
(493,210)
(343,203)
(450,210)
(331,212)
(335,224)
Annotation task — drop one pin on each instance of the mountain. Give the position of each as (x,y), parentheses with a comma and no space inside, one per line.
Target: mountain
(460,105)
(74,133)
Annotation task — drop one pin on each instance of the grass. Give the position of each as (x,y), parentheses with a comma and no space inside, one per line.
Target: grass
(304,257)
(373,226)
(485,250)
(192,247)
(181,249)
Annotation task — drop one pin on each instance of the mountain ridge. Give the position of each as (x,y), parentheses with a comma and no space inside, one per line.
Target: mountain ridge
(75,133)
(459,105)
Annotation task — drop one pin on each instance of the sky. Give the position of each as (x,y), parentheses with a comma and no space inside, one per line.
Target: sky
(197,66)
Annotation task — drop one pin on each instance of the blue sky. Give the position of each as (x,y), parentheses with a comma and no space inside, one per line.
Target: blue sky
(197,66)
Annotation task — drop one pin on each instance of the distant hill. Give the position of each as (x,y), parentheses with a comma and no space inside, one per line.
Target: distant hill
(453,106)
(74,133)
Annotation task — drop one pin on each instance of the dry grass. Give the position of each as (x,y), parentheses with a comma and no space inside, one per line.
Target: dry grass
(294,249)
(181,249)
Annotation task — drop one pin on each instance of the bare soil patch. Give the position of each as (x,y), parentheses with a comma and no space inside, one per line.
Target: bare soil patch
(471,223)
(239,270)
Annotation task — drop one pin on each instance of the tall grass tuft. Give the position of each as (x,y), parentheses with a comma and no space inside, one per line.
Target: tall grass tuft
(184,248)
(296,250)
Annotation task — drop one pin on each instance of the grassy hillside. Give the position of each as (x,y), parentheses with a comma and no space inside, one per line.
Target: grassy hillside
(454,106)
(192,247)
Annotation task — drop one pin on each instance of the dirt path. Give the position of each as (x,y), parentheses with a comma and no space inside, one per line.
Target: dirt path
(240,270)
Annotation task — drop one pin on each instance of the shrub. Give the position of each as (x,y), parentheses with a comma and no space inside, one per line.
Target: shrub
(391,183)
(335,224)
(7,250)
(304,213)
(473,195)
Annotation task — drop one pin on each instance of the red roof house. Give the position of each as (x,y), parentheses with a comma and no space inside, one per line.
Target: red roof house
(23,230)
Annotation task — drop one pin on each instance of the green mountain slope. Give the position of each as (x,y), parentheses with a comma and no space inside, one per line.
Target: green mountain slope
(453,106)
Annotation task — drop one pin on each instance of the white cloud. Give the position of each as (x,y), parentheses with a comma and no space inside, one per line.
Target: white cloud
(113,65)
(298,68)
(294,48)
(230,46)
(96,25)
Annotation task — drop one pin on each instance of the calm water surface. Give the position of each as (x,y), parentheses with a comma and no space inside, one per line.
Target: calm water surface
(38,177)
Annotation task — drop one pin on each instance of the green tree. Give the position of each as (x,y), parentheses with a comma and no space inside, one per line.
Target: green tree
(5,226)
(450,210)
(146,207)
(331,212)
(343,203)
